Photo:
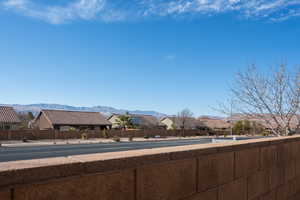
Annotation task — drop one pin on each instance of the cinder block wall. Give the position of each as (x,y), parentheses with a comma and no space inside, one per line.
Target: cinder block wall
(264,169)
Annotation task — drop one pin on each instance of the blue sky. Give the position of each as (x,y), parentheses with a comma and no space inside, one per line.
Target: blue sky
(140,54)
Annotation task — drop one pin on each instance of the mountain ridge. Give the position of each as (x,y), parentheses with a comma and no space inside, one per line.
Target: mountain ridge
(106,110)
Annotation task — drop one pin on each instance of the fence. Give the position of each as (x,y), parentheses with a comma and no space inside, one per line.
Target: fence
(52,134)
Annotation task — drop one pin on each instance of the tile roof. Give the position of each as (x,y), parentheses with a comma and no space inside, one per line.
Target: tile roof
(214,123)
(147,120)
(63,117)
(191,122)
(8,115)
(142,120)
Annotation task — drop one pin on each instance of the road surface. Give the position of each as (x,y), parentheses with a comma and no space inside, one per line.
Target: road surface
(36,152)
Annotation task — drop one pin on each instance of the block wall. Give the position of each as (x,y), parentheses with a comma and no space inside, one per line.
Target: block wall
(262,170)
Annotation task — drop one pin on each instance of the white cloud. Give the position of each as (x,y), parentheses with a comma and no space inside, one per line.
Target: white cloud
(115,10)
(15,3)
(170,57)
(75,9)
(248,8)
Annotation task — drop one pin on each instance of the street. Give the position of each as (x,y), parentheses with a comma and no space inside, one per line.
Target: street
(36,152)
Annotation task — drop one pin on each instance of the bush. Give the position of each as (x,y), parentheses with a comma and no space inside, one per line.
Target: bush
(199,134)
(131,138)
(105,134)
(84,136)
(265,133)
(117,139)
(146,137)
(72,129)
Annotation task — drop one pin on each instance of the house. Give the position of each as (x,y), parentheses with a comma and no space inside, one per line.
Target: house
(138,121)
(170,123)
(173,122)
(146,122)
(65,120)
(113,119)
(214,123)
(267,120)
(9,119)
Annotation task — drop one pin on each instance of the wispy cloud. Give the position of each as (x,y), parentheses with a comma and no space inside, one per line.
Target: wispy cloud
(116,10)
(56,14)
(170,57)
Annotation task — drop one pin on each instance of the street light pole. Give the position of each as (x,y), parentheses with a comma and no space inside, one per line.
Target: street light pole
(231,124)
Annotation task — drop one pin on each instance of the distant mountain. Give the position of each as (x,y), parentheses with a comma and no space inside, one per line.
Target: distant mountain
(35,108)
(211,117)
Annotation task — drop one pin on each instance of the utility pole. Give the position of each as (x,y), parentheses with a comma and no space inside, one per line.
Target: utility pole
(231,124)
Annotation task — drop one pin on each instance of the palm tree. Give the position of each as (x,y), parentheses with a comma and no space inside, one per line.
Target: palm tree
(124,121)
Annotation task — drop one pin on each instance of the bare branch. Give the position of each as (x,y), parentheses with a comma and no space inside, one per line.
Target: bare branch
(273,99)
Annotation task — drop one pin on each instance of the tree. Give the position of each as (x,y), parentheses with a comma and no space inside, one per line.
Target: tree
(184,119)
(272,98)
(247,127)
(30,116)
(26,119)
(238,128)
(124,121)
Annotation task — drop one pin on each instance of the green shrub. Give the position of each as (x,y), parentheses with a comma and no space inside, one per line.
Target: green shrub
(72,129)
(105,134)
(265,133)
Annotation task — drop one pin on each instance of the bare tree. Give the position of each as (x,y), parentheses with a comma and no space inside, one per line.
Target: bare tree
(272,98)
(184,119)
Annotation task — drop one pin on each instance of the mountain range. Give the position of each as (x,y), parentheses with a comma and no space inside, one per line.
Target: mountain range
(106,110)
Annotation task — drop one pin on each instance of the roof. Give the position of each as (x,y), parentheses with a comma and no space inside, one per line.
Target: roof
(64,117)
(8,115)
(191,122)
(214,123)
(147,120)
(113,114)
(141,120)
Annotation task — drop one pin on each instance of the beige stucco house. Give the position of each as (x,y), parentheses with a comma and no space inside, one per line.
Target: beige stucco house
(169,122)
(113,119)
(173,122)
(138,121)
(9,119)
(65,120)
(215,123)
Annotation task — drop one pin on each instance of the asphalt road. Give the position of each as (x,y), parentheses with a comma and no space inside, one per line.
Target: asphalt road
(36,152)
(28,153)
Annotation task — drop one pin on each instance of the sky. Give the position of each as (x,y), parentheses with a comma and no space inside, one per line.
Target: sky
(162,55)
